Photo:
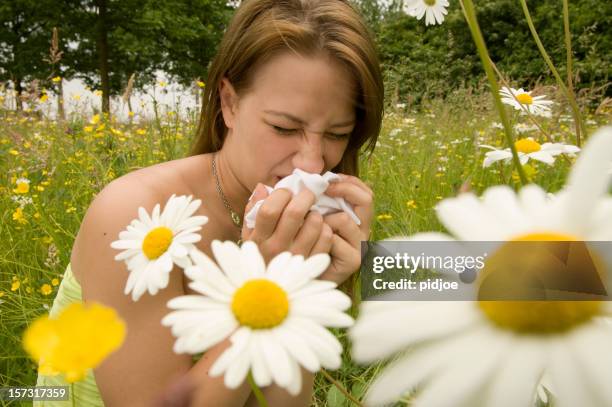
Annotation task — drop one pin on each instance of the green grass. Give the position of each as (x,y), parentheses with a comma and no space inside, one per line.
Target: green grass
(421,158)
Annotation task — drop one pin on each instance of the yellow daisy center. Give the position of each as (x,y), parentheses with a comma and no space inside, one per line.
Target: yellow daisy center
(430,3)
(533,317)
(156,242)
(527,145)
(260,304)
(524,98)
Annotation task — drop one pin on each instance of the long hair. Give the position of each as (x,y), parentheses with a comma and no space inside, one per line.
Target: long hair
(261,29)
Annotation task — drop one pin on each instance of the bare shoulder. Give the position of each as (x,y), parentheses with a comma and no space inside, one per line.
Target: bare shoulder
(117,204)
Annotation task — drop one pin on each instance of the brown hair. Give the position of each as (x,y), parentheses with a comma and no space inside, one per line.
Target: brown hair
(261,29)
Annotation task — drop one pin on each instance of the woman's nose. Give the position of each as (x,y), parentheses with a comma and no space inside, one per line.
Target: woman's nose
(309,157)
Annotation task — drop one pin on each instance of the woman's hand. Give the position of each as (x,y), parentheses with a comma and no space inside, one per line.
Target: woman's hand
(346,242)
(284,223)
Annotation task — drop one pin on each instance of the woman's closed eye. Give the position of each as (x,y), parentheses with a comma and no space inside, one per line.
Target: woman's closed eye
(285,131)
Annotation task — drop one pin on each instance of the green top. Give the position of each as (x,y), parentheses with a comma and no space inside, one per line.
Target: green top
(85,391)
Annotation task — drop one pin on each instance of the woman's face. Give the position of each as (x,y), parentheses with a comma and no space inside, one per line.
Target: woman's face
(298,113)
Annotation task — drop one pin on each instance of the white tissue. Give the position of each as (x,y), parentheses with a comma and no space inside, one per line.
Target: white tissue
(317,184)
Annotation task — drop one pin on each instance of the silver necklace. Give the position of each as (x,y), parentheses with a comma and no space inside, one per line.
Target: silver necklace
(236,220)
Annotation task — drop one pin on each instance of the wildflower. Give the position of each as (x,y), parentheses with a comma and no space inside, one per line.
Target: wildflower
(97,93)
(410,204)
(46,289)
(141,132)
(200,84)
(55,282)
(274,316)
(19,217)
(15,285)
(524,128)
(79,339)
(88,129)
(13,152)
(433,10)
(536,105)
(56,79)
(130,114)
(153,244)
(384,216)
(95,119)
(162,84)
(43,98)
(464,347)
(23,186)
(528,148)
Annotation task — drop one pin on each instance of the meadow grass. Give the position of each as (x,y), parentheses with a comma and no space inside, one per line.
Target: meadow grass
(421,157)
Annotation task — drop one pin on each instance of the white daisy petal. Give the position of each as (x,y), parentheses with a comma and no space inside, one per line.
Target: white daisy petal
(252,260)
(261,372)
(228,257)
(298,349)
(277,360)
(517,378)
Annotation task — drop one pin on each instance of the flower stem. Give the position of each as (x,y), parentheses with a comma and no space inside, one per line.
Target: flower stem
(72,394)
(568,94)
(568,49)
(261,400)
(341,388)
(468,11)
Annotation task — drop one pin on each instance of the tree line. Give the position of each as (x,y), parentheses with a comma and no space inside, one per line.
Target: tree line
(105,42)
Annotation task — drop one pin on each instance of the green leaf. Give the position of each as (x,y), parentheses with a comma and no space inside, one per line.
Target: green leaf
(335,398)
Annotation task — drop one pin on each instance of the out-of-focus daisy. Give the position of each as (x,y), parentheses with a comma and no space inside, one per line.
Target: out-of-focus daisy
(494,353)
(525,128)
(527,148)
(536,105)
(274,316)
(77,340)
(153,244)
(433,10)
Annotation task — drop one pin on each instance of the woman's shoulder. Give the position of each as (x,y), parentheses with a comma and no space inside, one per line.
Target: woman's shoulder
(117,204)
(156,181)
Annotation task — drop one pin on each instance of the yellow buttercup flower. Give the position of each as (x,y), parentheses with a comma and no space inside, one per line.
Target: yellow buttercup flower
(15,285)
(43,98)
(201,84)
(18,216)
(55,282)
(79,339)
(56,79)
(46,289)
(95,119)
(384,216)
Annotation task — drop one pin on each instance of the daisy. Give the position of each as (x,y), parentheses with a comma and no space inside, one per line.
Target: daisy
(274,316)
(153,244)
(433,10)
(522,100)
(495,353)
(527,148)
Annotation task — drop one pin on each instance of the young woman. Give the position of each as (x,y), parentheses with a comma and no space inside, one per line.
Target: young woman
(295,84)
